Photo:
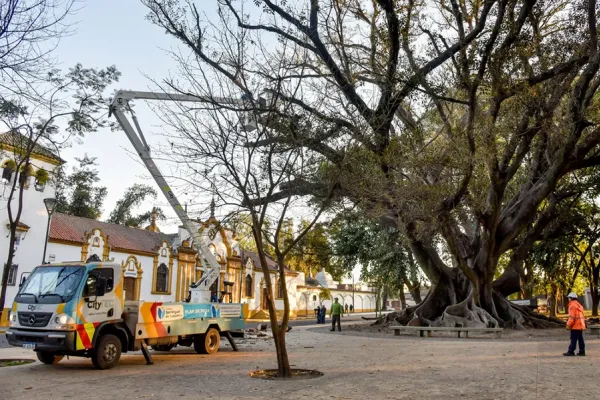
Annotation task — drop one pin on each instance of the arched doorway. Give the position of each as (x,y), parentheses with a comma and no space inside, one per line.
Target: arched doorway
(132,278)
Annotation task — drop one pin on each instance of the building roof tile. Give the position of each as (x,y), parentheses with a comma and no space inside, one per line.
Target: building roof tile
(20,141)
(75,229)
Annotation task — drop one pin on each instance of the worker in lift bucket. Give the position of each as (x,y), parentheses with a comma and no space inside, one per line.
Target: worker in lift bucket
(576,324)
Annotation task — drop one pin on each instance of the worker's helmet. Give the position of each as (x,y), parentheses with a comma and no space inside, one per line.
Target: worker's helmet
(572,295)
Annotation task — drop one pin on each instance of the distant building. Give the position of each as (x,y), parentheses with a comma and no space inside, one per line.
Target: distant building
(309,295)
(160,267)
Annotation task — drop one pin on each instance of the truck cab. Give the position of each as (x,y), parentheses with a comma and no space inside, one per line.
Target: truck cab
(78,309)
(60,306)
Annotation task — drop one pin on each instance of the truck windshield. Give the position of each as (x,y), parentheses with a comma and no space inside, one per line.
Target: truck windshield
(51,285)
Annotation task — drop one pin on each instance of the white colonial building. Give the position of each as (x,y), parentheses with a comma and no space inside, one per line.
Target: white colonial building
(161,267)
(31,230)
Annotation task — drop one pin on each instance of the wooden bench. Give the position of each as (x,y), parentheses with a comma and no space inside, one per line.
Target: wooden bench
(458,330)
(594,330)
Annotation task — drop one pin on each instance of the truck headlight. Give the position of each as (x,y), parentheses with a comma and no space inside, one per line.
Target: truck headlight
(12,319)
(64,322)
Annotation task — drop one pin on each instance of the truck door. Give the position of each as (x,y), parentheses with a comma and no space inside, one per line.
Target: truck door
(100,302)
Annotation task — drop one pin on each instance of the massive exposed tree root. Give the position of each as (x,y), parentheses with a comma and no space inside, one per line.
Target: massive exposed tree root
(444,306)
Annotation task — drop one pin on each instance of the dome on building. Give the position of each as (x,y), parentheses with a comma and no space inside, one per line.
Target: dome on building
(312,282)
(324,278)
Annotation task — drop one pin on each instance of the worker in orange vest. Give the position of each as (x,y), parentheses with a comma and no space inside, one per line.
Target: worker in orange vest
(576,324)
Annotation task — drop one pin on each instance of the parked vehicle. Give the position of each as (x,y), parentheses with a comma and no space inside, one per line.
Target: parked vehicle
(78,309)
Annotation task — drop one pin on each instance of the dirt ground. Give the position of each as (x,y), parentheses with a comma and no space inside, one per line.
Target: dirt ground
(355,366)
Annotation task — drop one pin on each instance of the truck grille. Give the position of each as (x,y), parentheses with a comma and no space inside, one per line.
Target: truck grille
(34,319)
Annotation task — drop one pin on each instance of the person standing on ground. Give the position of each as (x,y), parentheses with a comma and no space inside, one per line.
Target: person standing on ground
(336,313)
(346,308)
(351,308)
(323,313)
(576,324)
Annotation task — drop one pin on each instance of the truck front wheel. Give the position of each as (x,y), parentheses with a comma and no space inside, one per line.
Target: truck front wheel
(208,343)
(107,353)
(47,357)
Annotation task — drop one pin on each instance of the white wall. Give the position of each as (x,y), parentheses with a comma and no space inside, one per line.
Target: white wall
(29,253)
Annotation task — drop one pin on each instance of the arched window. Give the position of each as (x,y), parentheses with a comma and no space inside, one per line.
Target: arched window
(248,286)
(162,273)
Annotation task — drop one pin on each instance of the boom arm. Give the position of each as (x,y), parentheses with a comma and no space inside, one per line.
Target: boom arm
(135,135)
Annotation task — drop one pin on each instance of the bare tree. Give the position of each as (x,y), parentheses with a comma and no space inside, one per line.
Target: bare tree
(30,30)
(75,101)
(220,156)
(221,149)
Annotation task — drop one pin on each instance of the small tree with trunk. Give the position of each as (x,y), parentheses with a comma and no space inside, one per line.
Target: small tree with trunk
(324,294)
(74,99)
(228,161)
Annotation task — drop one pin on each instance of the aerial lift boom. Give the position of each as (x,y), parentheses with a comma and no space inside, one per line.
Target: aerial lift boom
(200,291)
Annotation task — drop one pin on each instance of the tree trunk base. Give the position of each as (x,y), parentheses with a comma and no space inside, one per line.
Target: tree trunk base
(442,308)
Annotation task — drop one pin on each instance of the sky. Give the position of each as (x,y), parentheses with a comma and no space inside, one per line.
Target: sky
(113,32)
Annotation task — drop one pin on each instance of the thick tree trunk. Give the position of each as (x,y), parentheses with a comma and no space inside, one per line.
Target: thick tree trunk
(402,298)
(415,292)
(9,261)
(474,301)
(384,299)
(452,302)
(414,288)
(279,331)
(553,299)
(552,304)
(283,362)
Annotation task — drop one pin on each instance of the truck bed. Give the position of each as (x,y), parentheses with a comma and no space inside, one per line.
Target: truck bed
(147,320)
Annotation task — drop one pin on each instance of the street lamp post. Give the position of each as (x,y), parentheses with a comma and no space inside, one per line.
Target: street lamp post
(50,204)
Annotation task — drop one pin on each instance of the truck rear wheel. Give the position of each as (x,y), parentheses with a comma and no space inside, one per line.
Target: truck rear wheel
(208,343)
(107,353)
(47,357)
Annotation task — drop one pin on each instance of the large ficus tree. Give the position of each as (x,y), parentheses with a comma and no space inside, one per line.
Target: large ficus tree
(469,121)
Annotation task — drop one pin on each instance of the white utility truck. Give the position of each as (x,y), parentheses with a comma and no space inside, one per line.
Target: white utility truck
(78,308)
